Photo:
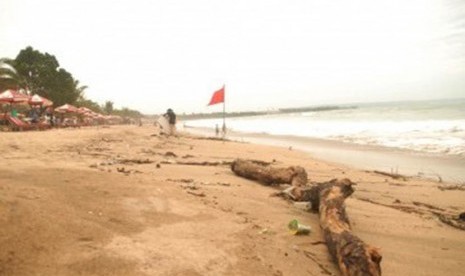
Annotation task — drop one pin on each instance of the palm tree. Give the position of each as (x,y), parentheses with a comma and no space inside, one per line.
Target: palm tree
(79,90)
(9,78)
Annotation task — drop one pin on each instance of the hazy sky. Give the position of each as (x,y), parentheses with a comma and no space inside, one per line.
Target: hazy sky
(151,55)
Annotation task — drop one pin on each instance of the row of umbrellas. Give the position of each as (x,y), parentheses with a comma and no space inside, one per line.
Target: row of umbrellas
(13,96)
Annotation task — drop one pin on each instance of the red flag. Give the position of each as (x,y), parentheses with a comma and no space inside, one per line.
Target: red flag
(218,97)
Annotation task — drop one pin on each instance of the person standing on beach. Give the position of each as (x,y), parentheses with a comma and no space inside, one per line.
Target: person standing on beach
(171,117)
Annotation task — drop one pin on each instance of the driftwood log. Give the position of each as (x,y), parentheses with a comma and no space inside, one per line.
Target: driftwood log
(352,255)
(267,175)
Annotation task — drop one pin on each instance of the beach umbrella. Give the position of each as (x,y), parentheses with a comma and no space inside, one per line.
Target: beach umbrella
(13,96)
(39,100)
(84,110)
(66,108)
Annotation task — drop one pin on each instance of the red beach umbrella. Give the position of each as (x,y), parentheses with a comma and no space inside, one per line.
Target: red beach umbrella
(84,110)
(13,96)
(66,108)
(39,100)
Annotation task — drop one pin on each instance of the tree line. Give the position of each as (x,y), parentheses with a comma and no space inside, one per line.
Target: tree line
(41,74)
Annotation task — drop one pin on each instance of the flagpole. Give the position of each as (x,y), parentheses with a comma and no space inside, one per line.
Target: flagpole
(224,114)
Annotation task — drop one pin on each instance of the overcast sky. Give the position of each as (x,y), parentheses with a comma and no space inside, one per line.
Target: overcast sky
(151,55)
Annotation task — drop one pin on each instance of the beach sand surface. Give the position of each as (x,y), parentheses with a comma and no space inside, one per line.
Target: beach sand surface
(122,200)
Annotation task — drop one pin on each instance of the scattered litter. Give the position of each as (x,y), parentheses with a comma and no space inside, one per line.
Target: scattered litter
(303,205)
(460,187)
(266,231)
(215,183)
(126,172)
(134,161)
(263,231)
(183,180)
(190,187)
(202,194)
(298,229)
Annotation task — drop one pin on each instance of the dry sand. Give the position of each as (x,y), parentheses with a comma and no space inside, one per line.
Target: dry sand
(73,203)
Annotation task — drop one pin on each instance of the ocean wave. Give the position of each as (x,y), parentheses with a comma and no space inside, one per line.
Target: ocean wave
(433,131)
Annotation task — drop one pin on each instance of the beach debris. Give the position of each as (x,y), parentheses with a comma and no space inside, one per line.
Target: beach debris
(459,187)
(462,216)
(352,255)
(297,228)
(397,184)
(201,194)
(187,156)
(296,176)
(210,138)
(433,211)
(313,257)
(190,187)
(263,231)
(182,180)
(267,175)
(392,175)
(93,166)
(108,163)
(170,154)
(429,206)
(158,166)
(451,220)
(193,163)
(148,151)
(304,205)
(108,140)
(215,183)
(134,161)
(126,172)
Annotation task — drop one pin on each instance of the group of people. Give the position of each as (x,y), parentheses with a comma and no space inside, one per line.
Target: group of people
(35,115)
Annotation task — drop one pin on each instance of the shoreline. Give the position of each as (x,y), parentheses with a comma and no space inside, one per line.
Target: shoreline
(362,157)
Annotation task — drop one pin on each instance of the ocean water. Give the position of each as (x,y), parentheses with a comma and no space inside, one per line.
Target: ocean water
(428,126)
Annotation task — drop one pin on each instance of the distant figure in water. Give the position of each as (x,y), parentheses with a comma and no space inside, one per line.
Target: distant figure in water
(171,117)
(217,130)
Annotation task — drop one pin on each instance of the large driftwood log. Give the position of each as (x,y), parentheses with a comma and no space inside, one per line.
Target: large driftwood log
(295,175)
(353,256)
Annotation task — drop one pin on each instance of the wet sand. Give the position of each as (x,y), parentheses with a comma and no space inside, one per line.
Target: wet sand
(432,166)
(123,201)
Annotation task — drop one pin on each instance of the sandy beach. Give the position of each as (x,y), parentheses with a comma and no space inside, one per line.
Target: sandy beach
(122,200)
